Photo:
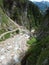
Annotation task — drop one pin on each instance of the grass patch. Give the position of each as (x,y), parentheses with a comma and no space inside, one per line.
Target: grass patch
(2,31)
(32,40)
(4,18)
(8,35)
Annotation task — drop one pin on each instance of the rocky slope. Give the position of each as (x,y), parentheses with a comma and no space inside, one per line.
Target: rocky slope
(13,50)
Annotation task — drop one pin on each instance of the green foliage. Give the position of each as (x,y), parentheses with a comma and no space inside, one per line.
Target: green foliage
(39,49)
(39,52)
(34,10)
(33,17)
(44,57)
(7,4)
(2,31)
(32,41)
(9,34)
(1,3)
(5,22)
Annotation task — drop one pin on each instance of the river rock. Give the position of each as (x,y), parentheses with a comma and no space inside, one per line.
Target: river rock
(13,49)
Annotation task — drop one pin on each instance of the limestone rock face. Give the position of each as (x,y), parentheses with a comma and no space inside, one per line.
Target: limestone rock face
(13,50)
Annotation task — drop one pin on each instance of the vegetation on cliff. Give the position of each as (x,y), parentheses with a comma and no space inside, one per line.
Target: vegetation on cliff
(27,14)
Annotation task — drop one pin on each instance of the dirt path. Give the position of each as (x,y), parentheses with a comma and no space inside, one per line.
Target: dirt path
(7,32)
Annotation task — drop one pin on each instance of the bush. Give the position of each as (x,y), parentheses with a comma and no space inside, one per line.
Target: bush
(39,53)
(32,41)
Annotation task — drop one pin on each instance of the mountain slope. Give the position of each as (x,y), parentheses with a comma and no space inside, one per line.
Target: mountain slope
(5,23)
(22,12)
(43,5)
(39,50)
